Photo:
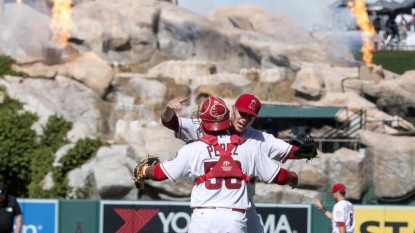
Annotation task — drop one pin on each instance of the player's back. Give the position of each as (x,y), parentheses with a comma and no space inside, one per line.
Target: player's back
(225,192)
(343,211)
(273,147)
(218,192)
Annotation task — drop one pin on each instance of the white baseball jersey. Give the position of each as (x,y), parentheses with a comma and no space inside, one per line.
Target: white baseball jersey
(272,147)
(197,158)
(343,212)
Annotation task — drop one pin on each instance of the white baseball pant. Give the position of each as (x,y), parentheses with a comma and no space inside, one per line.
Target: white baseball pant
(217,220)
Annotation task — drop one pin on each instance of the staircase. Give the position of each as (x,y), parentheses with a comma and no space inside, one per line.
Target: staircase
(348,129)
(344,135)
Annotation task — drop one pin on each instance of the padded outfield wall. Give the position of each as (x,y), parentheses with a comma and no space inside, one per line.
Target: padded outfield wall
(94,216)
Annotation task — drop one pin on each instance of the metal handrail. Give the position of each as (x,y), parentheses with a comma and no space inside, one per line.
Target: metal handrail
(355,142)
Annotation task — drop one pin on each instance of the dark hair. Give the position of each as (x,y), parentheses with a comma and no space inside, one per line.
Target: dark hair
(342,193)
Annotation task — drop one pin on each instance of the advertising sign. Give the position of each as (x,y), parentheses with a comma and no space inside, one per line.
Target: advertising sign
(278,218)
(39,216)
(385,219)
(169,217)
(78,216)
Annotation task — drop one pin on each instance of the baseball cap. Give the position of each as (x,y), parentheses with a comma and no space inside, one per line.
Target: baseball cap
(338,187)
(249,104)
(214,114)
(2,190)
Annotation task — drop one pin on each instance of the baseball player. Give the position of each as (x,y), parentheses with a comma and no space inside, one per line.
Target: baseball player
(245,110)
(342,217)
(221,166)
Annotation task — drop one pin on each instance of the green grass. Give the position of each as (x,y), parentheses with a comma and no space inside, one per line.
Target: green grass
(395,61)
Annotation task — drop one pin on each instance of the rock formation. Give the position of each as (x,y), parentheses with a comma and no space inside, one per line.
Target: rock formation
(126,59)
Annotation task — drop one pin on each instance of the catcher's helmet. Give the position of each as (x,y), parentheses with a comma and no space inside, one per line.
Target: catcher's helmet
(214,114)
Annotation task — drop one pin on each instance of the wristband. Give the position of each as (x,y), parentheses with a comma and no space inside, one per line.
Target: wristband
(323,210)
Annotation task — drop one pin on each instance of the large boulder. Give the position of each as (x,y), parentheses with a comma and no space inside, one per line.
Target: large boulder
(391,163)
(24,39)
(162,32)
(349,167)
(394,95)
(113,171)
(288,38)
(59,96)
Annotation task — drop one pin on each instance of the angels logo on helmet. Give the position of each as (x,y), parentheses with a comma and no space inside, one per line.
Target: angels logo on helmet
(218,111)
(214,114)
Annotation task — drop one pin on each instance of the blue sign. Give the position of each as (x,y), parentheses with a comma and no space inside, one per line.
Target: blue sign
(39,216)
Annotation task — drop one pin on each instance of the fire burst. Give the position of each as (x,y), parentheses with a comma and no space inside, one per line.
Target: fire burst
(61,23)
(358,8)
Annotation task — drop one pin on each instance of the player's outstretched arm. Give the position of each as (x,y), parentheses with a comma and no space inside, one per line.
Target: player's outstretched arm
(146,169)
(155,173)
(320,207)
(286,177)
(171,107)
(303,147)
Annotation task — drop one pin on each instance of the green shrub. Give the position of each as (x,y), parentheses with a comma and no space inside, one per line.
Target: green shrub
(54,133)
(53,138)
(27,158)
(82,151)
(41,164)
(17,144)
(6,63)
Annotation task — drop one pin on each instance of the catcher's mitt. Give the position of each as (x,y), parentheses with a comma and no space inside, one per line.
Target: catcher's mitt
(306,147)
(139,175)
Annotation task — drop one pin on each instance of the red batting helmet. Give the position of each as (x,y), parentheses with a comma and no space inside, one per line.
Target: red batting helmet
(214,114)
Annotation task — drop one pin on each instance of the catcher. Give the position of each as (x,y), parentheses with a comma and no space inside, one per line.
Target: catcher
(244,112)
(221,166)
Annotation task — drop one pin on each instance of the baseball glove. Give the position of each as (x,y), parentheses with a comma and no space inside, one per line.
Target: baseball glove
(139,175)
(306,147)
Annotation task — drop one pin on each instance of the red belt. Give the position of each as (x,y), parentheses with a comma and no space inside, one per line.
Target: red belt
(211,207)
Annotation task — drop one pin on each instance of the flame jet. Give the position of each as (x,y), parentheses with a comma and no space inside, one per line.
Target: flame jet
(61,23)
(358,8)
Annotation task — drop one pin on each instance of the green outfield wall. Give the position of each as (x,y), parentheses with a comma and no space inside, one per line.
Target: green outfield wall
(105,216)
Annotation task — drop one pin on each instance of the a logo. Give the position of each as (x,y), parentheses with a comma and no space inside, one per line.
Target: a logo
(225,166)
(218,111)
(339,213)
(386,219)
(175,217)
(46,222)
(135,220)
(30,228)
(252,105)
(172,158)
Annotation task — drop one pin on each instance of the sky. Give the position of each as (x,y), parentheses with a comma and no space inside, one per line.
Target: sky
(307,13)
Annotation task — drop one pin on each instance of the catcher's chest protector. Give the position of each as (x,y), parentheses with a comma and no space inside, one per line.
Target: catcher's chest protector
(226,167)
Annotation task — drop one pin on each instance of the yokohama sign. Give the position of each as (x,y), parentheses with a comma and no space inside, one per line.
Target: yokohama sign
(169,217)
